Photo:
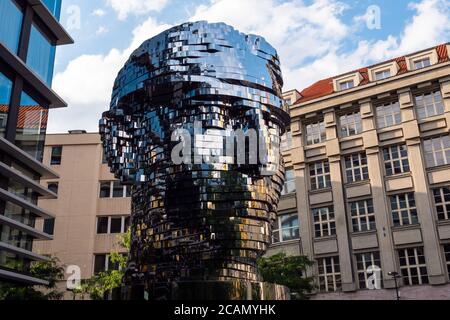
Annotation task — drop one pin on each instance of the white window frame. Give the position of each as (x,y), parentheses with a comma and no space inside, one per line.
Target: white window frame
(347,78)
(334,275)
(392,67)
(362,214)
(443,203)
(350,121)
(108,228)
(315,132)
(411,219)
(328,224)
(111,190)
(354,169)
(386,73)
(368,259)
(289,185)
(437,107)
(406,268)
(421,56)
(388,113)
(402,160)
(280,228)
(325,176)
(346,84)
(431,151)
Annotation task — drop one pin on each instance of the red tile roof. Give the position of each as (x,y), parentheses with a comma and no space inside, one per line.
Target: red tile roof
(325,87)
(30,117)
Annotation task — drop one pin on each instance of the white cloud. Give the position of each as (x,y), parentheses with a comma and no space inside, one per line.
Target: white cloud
(86,83)
(98,12)
(136,7)
(102,30)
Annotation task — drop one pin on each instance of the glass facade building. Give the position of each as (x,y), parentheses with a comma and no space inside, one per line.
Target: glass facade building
(29,34)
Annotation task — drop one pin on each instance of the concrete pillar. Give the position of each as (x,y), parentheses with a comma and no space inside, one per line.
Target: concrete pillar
(382,213)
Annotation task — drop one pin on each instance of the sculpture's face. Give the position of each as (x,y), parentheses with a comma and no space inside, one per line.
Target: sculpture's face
(209,214)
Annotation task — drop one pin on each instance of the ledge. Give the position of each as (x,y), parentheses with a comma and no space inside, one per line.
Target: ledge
(23,227)
(8,196)
(22,278)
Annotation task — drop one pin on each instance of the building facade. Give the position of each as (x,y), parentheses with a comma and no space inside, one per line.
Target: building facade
(92,209)
(370,165)
(29,34)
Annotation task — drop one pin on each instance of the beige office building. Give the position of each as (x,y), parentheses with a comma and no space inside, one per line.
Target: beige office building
(370,165)
(92,208)
(368,184)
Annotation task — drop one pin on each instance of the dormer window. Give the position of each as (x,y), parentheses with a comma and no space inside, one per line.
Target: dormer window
(422,63)
(383,74)
(344,85)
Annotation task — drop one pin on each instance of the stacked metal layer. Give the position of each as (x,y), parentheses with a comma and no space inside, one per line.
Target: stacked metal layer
(207,220)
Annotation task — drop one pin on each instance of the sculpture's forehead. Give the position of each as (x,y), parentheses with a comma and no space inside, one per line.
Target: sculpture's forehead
(200,52)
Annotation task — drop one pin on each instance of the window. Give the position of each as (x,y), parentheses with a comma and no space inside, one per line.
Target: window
(319,175)
(114,189)
(380,75)
(113,224)
(49,226)
(396,159)
(356,167)
(422,63)
(324,222)
(403,209)
(10,24)
(329,274)
(442,202)
(41,54)
(5,97)
(447,257)
(53,187)
(344,85)
(286,228)
(413,266)
(363,262)
(363,217)
(315,133)
(388,115)
(350,124)
(289,184)
(437,151)
(102,225)
(429,105)
(56,156)
(286,142)
(102,263)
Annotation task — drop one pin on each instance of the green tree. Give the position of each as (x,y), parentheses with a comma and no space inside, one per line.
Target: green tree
(50,271)
(289,271)
(100,283)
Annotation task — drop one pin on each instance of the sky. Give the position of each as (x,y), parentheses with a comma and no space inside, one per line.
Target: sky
(315,39)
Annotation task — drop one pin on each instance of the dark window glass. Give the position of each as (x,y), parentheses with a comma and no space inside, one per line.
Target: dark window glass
(41,54)
(102,225)
(5,96)
(10,24)
(99,263)
(49,226)
(56,155)
(128,191)
(117,190)
(127,224)
(116,225)
(53,187)
(105,189)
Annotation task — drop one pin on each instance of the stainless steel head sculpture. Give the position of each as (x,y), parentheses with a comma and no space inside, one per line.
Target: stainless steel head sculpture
(208,216)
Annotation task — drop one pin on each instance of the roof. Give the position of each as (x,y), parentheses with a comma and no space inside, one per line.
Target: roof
(30,117)
(325,87)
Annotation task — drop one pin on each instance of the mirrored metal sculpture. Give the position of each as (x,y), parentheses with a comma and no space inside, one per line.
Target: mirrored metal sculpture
(194,126)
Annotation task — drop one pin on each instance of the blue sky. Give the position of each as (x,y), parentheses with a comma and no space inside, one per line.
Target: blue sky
(315,39)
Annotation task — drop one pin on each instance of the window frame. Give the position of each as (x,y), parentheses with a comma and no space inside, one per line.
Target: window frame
(280,229)
(123,224)
(320,225)
(425,107)
(315,136)
(335,276)
(399,210)
(366,263)
(444,203)
(402,160)
(353,124)
(383,72)
(430,142)
(289,186)
(363,169)
(56,160)
(368,215)
(325,176)
(126,191)
(391,110)
(404,255)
